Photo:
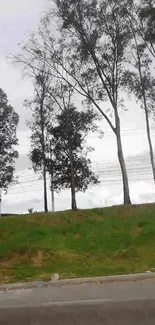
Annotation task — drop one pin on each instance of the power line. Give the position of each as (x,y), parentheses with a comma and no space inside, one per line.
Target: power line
(97,167)
(109,181)
(105,181)
(107,133)
(100,170)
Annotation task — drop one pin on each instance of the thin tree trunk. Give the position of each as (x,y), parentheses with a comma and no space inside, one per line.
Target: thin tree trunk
(145,107)
(149,136)
(52,197)
(146,115)
(73,195)
(73,192)
(126,191)
(52,193)
(52,185)
(43,148)
(45,190)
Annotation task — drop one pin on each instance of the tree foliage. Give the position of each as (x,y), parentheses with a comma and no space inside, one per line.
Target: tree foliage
(70,166)
(8,141)
(147,17)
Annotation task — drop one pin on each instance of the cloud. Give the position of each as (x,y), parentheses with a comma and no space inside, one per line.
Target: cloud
(143,191)
(18,17)
(22,163)
(112,195)
(97,196)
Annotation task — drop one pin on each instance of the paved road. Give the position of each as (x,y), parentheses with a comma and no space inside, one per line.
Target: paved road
(129,313)
(128,303)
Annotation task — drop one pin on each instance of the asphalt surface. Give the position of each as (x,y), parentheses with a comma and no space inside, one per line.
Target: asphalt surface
(127,303)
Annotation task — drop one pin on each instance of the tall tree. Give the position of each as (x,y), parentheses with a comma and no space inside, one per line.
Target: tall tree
(39,126)
(70,166)
(8,141)
(138,76)
(91,53)
(88,53)
(38,71)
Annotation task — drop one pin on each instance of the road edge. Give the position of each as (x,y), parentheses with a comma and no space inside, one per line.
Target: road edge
(77,281)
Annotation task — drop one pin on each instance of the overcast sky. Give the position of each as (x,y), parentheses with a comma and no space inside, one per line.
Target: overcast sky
(17,18)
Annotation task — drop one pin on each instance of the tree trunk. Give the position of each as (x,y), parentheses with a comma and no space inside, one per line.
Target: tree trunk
(149,136)
(73,195)
(52,185)
(52,195)
(126,191)
(145,109)
(45,190)
(73,192)
(146,117)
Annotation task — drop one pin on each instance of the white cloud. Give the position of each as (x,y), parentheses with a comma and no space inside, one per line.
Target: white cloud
(16,18)
(143,191)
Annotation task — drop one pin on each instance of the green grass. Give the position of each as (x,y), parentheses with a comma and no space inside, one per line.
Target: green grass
(109,241)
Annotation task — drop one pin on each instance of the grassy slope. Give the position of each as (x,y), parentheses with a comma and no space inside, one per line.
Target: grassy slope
(94,242)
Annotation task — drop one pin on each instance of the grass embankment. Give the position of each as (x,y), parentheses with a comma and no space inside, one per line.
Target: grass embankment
(96,242)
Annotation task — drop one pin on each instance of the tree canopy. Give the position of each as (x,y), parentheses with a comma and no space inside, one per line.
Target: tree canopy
(8,141)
